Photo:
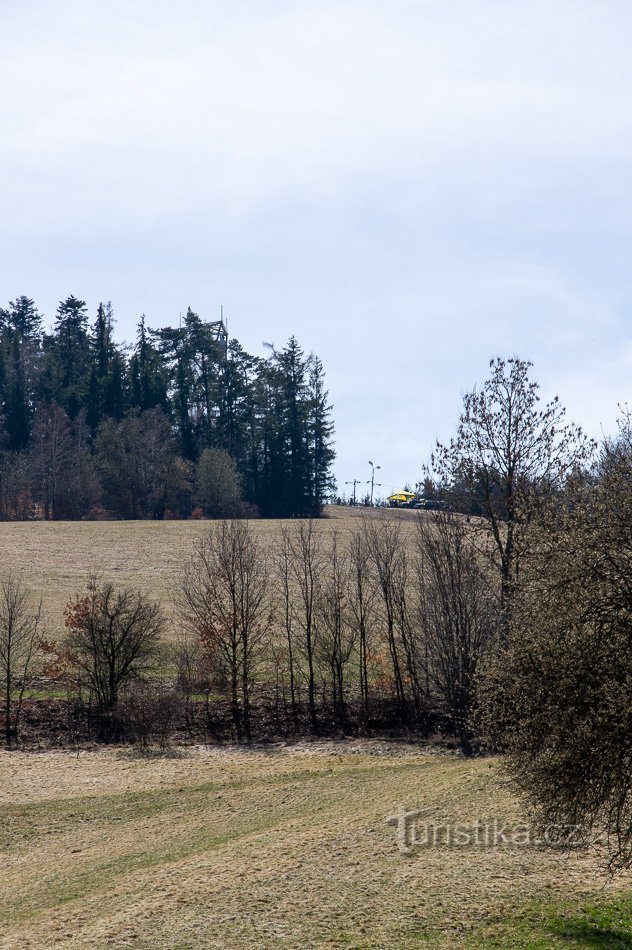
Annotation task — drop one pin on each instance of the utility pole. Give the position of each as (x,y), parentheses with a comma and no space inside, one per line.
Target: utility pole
(356,481)
(374,468)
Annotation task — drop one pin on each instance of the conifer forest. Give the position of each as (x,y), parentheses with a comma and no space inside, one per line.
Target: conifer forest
(183,422)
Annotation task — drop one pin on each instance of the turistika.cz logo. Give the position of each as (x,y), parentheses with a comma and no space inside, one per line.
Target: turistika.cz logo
(417,829)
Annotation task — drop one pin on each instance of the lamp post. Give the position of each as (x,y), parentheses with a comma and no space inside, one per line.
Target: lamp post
(356,481)
(374,468)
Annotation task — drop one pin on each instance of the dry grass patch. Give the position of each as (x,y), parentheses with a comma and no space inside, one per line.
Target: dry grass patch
(56,557)
(280,848)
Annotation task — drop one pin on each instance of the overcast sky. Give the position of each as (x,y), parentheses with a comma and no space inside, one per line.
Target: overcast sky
(409,186)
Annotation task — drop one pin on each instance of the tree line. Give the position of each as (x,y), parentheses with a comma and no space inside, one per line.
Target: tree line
(183,421)
(332,627)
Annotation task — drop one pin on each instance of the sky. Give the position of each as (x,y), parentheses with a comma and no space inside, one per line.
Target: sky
(411,187)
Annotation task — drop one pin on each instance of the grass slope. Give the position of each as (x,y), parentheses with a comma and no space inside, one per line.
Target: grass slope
(55,558)
(281,848)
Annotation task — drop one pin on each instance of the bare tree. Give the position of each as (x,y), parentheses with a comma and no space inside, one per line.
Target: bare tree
(113,636)
(218,485)
(335,637)
(458,614)
(141,472)
(362,596)
(148,711)
(51,454)
(80,488)
(197,674)
(308,559)
(284,577)
(385,541)
(410,634)
(225,599)
(20,635)
(16,499)
(508,455)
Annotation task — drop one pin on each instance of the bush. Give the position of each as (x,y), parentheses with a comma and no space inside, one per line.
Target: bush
(148,712)
(560,691)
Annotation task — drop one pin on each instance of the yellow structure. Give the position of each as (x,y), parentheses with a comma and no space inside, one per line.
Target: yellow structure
(400,498)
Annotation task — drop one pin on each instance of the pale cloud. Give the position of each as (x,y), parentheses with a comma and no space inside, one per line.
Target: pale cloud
(251,104)
(410,187)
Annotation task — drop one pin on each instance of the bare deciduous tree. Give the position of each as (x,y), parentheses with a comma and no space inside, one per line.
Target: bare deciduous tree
(113,636)
(362,596)
(307,562)
(284,576)
(148,712)
(385,542)
(458,613)
(51,454)
(140,469)
(508,455)
(224,596)
(197,674)
(410,634)
(16,501)
(218,485)
(335,639)
(20,635)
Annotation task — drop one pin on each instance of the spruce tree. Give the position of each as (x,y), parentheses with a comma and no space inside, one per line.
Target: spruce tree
(321,453)
(148,375)
(68,357)
(20,346)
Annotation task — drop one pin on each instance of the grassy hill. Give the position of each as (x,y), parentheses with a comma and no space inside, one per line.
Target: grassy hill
(285,847)
(55,558)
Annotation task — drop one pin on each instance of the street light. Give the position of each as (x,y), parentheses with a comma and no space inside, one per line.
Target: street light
(356,481)
(374,468)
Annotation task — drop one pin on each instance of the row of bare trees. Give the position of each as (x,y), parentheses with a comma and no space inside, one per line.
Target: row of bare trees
(386,613)
(328,623)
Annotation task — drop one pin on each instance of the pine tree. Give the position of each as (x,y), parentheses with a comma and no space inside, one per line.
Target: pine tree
(292,367)
(272,457)
(115,395)
(23,317)
(147,373)
(68,357)
(319,438)
(20,339)
(286,485)
(106,393)
(236,423)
